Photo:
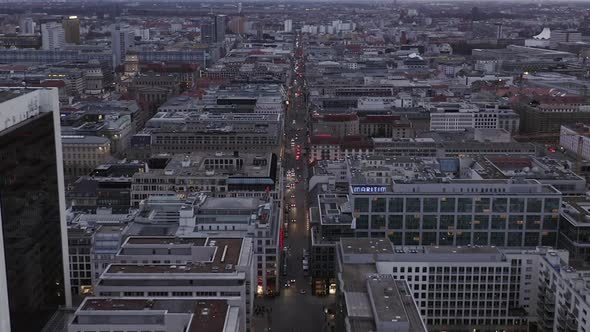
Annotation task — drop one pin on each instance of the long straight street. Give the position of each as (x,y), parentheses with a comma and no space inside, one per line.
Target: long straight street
(295,309)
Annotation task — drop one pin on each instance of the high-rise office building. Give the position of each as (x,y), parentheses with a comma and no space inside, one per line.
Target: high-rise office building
(71,27)
(122,38)
(208,33)
(33,241)
(27,26)
(288,25)
(219,28)
(52,36)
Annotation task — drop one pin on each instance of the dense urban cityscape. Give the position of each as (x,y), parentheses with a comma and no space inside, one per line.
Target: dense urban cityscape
(302,166)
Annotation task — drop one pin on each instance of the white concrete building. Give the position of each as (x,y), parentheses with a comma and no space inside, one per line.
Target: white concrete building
(32,193)
(169,267)
(571,137)
(564,296)
(122,38)
(473,287)
(459,117)
(53,36)
(288,26)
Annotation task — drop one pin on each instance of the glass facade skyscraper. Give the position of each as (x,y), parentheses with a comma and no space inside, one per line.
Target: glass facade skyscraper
(31,210)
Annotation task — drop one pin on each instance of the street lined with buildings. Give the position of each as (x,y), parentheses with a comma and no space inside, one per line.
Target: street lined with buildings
(311,166)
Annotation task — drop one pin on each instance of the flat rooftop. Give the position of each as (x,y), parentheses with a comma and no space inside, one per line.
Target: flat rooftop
(208,315)
(334,209)
(215,164)
(393,302)
(460,250)
(523,166)
(577,211)
(230,203)
(224,260)
(81,139)
(167,240)
(10,93)
(366,246)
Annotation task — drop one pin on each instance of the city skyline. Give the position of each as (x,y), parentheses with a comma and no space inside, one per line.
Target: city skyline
(257,166)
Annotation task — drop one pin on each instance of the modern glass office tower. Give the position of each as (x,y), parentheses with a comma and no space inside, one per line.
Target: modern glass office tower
(32,206)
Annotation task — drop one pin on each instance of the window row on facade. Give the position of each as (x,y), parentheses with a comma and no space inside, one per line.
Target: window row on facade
(457,204)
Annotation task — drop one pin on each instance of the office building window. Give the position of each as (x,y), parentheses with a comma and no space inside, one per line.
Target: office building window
(551,205)
(396,205)
(429,221)
(428,238)
(465,205)
(482,205)
(378,205)
(412,221)
(430,205)
(514,239)
(378,221)
(516,205)
(395,222)
(362,222)
(447,205)
(412,205)
(500,205)
(361,204)
(534,205)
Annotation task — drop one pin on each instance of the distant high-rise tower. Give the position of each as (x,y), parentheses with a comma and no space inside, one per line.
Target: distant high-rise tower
(239,8)
(33,239)
(208,33)
(71,27)
(27,26)
(288,25)
(213,31)
(499,33)
(53,36)
(122,39)
(219,28)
